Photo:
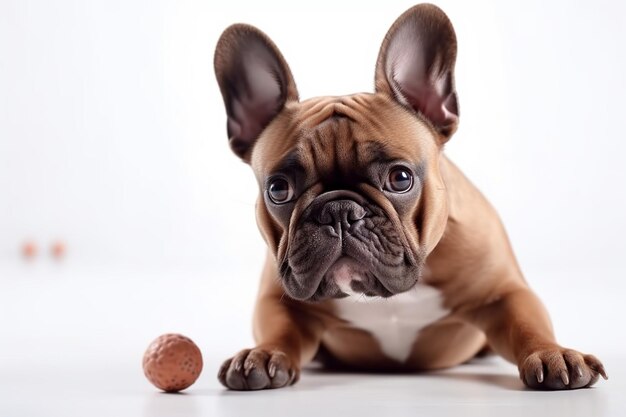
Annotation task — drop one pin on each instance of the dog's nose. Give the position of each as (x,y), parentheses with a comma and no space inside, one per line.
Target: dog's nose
(341,214)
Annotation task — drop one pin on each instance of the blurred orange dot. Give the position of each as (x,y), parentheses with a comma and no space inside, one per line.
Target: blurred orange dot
(29,249)
(58,250)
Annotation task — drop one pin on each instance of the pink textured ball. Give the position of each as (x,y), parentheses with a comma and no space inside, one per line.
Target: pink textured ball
(172,362)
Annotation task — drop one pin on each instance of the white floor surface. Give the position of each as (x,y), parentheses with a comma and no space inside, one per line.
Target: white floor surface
(487,387)
(73,337)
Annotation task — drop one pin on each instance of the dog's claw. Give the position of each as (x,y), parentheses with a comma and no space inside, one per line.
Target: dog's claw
(602,372)
(564,378)
(539,374)
(579,371)
(595,364)
(599,368)
(247,366)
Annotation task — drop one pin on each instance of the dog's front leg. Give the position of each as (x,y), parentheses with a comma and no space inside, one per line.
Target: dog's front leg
(518,328)
(287,337)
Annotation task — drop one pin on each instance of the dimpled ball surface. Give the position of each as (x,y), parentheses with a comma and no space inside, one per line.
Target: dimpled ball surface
(172,362)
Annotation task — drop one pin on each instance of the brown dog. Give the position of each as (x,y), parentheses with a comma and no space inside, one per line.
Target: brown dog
(382,255)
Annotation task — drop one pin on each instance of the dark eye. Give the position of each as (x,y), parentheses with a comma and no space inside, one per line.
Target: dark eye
(280,191)
(400,180)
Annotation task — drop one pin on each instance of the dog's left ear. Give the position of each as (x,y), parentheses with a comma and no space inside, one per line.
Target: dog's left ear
(416,66)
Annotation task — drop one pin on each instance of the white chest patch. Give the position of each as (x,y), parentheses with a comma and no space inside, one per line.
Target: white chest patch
(396,321)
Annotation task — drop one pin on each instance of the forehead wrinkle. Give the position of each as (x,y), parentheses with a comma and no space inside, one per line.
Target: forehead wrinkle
(359,107)
(316,111)
(290,162)
(314,149)
(327,147)
(377,151)
(306,151)
(334,150)
(345,144)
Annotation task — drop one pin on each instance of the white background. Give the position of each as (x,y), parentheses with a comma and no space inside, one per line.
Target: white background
(113,139)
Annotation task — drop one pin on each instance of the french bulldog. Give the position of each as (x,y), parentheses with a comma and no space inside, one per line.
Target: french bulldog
(381,255)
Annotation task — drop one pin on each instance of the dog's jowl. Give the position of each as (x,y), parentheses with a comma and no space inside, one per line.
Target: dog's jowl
(381,254)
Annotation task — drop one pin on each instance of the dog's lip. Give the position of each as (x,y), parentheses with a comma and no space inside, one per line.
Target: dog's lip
(340,262)
(345,270)
(342,272)
(303,292)
(348,262)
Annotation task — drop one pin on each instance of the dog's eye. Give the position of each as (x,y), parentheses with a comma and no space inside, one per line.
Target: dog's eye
(280,191)
(400,180)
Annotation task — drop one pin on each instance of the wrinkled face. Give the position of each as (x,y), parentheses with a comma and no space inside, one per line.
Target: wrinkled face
(351,194)
(341,194)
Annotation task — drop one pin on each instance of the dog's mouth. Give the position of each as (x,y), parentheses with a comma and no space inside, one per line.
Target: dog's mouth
(347,277)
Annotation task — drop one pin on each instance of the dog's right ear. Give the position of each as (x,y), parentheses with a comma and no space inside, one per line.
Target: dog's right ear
(255,82)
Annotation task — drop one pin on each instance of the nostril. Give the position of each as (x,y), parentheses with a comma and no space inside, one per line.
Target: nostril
(357,213)
(325,216)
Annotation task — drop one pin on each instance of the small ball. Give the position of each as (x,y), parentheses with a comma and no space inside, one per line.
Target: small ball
(29,249)
(58,249)
(172,362)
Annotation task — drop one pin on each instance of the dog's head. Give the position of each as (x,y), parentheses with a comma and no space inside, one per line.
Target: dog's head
(351,195)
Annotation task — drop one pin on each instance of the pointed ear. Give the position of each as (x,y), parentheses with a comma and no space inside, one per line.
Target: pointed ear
(255,82)
(416,66)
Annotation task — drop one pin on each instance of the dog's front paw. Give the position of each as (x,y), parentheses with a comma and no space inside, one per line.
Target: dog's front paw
(558,368)
(258,368)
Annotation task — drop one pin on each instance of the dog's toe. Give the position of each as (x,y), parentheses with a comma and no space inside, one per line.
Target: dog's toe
(257,369)
(556,368)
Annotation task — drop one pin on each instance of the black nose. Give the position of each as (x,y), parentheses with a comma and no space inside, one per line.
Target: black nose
(341,215)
